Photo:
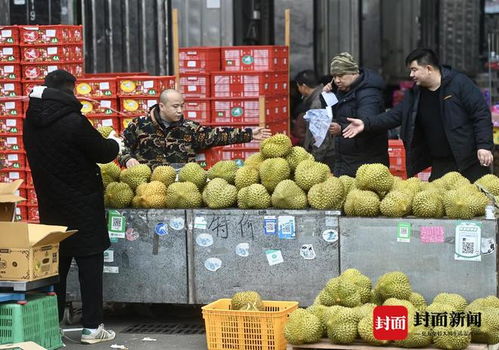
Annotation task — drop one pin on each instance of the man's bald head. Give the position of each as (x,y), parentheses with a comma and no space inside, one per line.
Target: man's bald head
(171,105)
(169,93)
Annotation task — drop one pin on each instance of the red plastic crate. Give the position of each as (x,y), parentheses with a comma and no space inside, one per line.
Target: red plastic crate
(10,88)
(28,177)
(245,111)
(198,110)
(33,214)
(11,125)
(195,85)
(96,87)
(114,75)
(21,212)
(31,196)
(55,53)
(10,54)
(400,173)
(13,160)
(50,34)
(10,71)
(125,121)
(111,120)
(199,59)
(396,153)
(12,175)
(136,105)
(9,35)
(144,85)
(99,106)
(27,86)
(217,154)
(37,71)
(248,84)
(11,142)
(10,108)
(254,58)
(424,175)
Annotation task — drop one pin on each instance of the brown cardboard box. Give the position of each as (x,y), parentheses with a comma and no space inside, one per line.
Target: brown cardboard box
(8,200)
(27,251)
(29,345)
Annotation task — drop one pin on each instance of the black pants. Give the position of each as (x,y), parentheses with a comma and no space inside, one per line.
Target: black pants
(440,167)
(90,270)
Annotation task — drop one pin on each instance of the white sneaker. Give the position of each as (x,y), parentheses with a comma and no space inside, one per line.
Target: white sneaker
(98,336)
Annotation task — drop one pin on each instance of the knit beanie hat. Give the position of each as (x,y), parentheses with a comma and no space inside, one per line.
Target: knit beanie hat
(344,64)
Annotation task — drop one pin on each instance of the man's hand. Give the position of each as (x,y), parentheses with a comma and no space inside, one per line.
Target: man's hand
(132,162)
(328,87)
(485,157)
(355,127)
(334,129)
(260,134)
(114,136)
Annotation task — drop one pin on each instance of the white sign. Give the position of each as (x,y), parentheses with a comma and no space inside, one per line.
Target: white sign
(307,252)
(274,257)
(468,241)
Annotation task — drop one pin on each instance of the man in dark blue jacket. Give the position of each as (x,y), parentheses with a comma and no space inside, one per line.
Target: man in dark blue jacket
(445,121)
(63,149)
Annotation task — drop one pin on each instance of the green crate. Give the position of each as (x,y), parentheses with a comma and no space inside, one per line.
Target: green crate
(36,321)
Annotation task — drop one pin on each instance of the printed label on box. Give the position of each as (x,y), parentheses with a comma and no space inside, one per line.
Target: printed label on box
(191,63)
(104,85)
(191,114)
(105,104)
(148,84)
(11,122)
(9,87)
(8,69)
(52,50)
(11,140)
(8,51)
(191,88)
(12,157)
(50,33)
(51,68)
(107,122)
(6,33)
(10,105)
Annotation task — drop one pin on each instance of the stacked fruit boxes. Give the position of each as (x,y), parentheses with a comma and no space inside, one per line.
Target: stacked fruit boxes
(230,80)
(138,93)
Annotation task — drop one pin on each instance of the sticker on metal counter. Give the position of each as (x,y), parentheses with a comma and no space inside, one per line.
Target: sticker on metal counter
(161,229)
(132,235)
(269,225)
(213,264)
(330,236)
(116,224)
(488,246)
(177,223)
(432,234)
(111,269)
(204,240)
(307,252)
(200,223)
(274,256)
(468,241)
(404,230)
(286,227)
(242,249)
(109,256)
(331,221)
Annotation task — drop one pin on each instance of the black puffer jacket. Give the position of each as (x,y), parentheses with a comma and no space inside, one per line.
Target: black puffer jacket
(364,99)
(465,115)
(63,149)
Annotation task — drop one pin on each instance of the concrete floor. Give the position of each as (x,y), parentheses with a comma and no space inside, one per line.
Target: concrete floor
(118,318)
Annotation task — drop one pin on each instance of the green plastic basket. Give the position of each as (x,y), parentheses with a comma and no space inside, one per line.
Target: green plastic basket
(36,321)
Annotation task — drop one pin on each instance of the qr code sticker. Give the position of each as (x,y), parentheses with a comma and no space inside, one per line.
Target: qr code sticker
(116,223)
(468,247)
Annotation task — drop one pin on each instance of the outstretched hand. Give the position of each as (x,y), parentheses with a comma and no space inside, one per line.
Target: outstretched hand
(355,127)
(260,134)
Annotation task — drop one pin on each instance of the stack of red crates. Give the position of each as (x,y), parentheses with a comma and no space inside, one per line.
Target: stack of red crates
(222,86)
(138,93)
(396,153)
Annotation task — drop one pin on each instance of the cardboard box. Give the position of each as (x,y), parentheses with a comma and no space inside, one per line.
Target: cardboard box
(29,345)
(28,252)
(8,199)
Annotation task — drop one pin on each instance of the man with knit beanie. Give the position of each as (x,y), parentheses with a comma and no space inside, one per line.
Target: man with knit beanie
(359,93)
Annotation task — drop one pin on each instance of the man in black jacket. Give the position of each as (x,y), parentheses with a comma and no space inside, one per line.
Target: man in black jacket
(62,149)
(445,121)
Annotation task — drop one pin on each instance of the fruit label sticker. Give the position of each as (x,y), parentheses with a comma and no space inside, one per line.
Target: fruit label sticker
(488,246)
(330,236)
(242,249)
(269,225)
(274,256)
(247,59)
(213,264)
(286,227)
(116,224)
(307,252)
(204,240)
(404,230)
(161,229)
(177,224)
(109,255)
(200,223)
(111,269)
(431,234)
(132,235)
(468,241)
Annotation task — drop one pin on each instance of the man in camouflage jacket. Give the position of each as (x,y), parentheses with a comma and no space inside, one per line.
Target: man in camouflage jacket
(164,137)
